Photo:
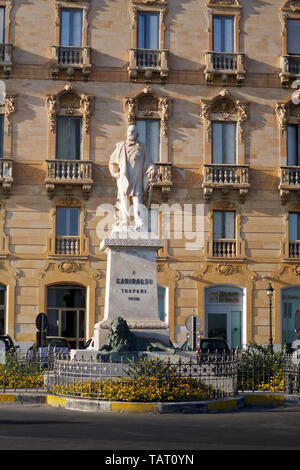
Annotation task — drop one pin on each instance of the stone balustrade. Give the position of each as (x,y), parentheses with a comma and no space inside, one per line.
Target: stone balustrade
(224,64)
(6,174)
(6,57)
(68,172)
(164,178)
(290,68)
(225,177)
(224,248)
(148,61)
(289,180)
(69,246)
(70,58)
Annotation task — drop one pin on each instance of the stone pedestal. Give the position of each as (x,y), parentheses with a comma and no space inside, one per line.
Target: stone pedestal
(131,288)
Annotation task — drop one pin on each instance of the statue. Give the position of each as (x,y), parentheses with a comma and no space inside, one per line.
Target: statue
(129,164)
(122,340)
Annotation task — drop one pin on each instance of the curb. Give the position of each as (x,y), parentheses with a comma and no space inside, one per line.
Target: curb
(216,406)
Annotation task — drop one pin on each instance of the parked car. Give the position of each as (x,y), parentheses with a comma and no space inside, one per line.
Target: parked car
(9,344)
(57,344)
(90,344)
(212,347)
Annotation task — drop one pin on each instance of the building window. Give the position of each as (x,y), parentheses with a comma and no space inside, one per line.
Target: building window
(149,134)
(224,225)
(224,242)
(293,145)
(67,230)
(148,30)
(2,25)
(1,135)
(294,235)
(2,309)
(68,138)
(223,33)
(293,34)
(71,27)
(224,142)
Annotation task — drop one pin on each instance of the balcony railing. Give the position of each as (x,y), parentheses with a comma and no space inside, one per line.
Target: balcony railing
(224,64)
(164,177)
(6,57)
(69,246)
(224,248)
(148,61)
(289,180)
(71,58)
(290,68)
(225,177)
(294,249)
(6,173)
(69,172)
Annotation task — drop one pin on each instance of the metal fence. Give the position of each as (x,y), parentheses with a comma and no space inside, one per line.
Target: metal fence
(151,379)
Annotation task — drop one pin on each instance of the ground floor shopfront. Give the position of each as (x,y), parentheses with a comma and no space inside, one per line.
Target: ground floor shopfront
(221,300)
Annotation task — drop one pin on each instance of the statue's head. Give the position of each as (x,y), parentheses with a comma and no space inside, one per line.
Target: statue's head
(132,133)
(119,326)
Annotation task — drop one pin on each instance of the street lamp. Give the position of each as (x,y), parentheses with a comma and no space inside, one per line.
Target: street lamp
(270,291)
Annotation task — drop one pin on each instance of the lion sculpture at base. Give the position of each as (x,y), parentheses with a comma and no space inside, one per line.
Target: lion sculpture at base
(121,339)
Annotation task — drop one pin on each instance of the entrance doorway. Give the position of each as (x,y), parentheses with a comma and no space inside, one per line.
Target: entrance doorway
(66,313)
(290,314)
(223,314)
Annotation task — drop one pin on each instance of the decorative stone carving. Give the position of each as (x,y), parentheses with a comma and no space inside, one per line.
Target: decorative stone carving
(227,269)
(281,113)
(10,108)
(68,266)
(51,111)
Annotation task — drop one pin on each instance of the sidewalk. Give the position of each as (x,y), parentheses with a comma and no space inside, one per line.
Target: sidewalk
(244,401)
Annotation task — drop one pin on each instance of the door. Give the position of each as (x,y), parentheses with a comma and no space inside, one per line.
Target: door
(217,326)
(223,314)
(66,313)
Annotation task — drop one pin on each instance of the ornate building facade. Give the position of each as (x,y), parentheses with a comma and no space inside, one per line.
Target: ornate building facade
(212,86)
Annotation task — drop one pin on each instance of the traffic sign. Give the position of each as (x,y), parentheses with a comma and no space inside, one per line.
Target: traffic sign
(41,322)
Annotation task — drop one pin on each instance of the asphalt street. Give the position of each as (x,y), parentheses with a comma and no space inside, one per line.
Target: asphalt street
(41,427)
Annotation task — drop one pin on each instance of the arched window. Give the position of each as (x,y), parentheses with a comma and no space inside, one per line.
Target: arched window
(150,113)
(224,161)
(69,114)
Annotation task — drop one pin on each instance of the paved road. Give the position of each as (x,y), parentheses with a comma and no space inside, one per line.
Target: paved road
(45,428)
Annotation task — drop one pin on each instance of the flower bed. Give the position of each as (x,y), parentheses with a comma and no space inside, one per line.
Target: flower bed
(151,389)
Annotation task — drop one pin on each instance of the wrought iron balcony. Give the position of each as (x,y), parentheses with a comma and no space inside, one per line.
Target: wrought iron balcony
(68,173)
(149,62)
(6,174)
(290,68)
(224,65)
(70,59)
(289,180)
(226,178)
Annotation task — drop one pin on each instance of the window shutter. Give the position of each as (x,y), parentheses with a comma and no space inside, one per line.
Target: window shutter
(224,143)
(223,34)
(2,25)
(293,35)
(149,134)
(292,150)
(148,31)
(71,28)
(68,138)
